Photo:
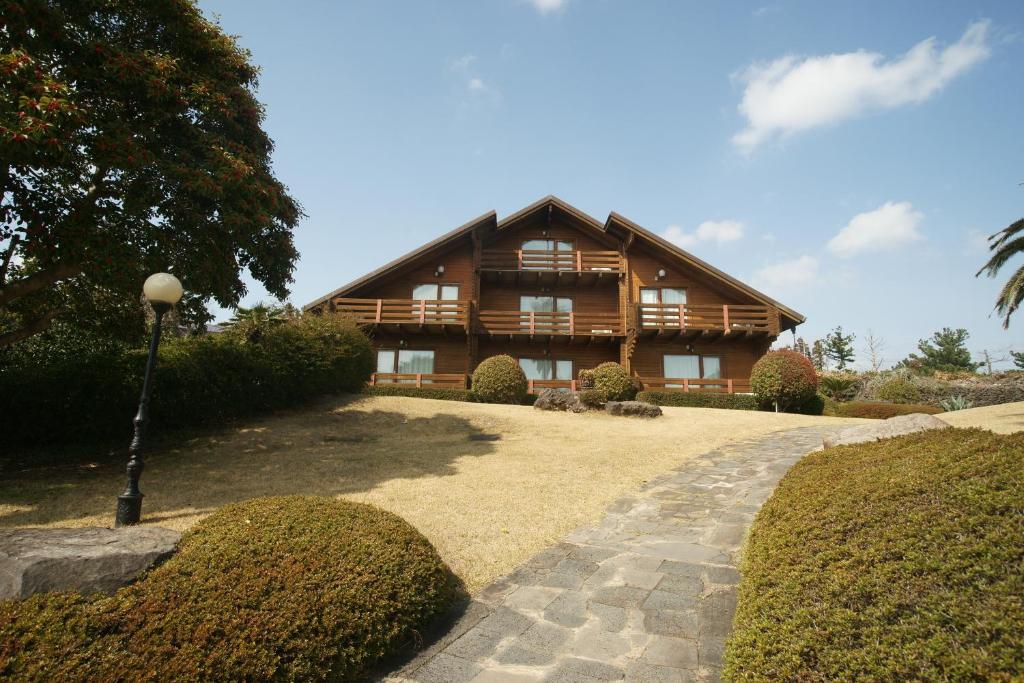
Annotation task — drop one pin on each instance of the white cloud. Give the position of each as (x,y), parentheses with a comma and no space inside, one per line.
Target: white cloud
(791,94)
(790,274)
(471,85)
(548,6)
(890,226)
(462,64)
(476,84)
(718,232)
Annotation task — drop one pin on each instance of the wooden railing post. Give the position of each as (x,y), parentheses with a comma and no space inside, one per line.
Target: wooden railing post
(682,317)
(380,307)
(423,311)
(725,317)
(572,322)
(373,379)
(729,382)
(533,323)
(530,387)
(579,260)
(572,385)
(419,380)
(686,386)
(519,252)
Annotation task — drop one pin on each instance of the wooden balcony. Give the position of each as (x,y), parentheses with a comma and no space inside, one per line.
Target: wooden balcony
(437,381)
(527,266)
(567,325)
(709,320)
(717,386)
(409,315)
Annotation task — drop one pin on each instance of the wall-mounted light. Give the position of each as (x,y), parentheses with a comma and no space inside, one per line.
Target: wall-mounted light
(660,275)
(544,232)
(689,348)
(439,271)
(401,343)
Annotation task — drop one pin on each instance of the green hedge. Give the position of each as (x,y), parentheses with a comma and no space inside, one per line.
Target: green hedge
(420,392)
(699,399)
(881,411)
(289,588)
(92,396)
(892,561)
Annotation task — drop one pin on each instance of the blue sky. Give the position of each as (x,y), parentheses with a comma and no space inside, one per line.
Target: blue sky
(845,159)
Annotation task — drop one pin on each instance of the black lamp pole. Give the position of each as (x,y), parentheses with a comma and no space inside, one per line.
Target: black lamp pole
(129,503)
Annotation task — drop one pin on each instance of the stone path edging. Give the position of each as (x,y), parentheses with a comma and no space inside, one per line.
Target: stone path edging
(647,595)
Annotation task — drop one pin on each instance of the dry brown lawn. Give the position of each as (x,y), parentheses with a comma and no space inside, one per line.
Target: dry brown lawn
(1005,418)
(489,485)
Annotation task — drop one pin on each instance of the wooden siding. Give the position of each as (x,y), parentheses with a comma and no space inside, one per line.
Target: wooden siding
(491,300)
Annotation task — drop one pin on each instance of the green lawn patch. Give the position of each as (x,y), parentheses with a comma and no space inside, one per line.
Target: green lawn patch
(897,560)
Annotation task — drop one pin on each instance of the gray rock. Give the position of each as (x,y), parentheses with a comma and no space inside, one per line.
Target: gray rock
(89,560)
(556,399)
(632,408)
(885,429)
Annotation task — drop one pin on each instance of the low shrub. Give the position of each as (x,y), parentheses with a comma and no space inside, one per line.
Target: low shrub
(784,379)
(593,398)
(899,391)
(814,405)
(838,386)
(436,393)
(198,380)
(614,381)
(289,588)
(699,399)
(881,411)
(586,379)
(499,379)
(955,403)
(889,561)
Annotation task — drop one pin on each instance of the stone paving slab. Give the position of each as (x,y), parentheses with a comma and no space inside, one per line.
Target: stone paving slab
(647,594)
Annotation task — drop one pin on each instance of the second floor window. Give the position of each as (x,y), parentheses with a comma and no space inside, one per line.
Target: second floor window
(433,291)
(547,245)
(660,305)
(545,304)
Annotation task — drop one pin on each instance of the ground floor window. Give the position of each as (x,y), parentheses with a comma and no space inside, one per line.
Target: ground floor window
(692,366)
(405,361)
(546,368)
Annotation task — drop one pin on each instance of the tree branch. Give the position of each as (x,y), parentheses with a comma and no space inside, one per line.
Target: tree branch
(37,281)
(35,327)
(7,258)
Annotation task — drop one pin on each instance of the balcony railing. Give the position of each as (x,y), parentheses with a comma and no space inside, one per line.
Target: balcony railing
(404,312)
(537,385)
(725,318)
(537,323)
(544,260)
(440,381)
(718,386)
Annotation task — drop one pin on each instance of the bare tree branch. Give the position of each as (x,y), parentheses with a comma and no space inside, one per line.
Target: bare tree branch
(37,281)
(35,327)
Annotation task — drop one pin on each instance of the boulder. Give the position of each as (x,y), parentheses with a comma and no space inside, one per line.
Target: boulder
(632,408)
(885,429)
(88,560)
(555,399)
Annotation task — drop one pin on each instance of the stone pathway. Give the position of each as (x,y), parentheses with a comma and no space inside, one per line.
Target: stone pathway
(648,595)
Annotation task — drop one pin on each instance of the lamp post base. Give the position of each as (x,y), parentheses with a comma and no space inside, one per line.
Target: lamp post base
(129,509)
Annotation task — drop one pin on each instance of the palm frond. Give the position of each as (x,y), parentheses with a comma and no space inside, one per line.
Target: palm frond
(1010,297)
(996,240)
(1003,253)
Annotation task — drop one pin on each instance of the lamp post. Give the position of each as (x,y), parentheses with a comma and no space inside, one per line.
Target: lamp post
(162,290)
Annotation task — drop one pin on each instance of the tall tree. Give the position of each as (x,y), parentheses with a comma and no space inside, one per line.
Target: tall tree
(1004,245)
(838,347)
(1018,359)
(131,142)
(945,350)
(818,357)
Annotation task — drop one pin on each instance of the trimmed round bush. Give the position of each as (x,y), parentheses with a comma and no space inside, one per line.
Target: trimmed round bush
(899,391)
(593,398)
(785,379)
(897,560)
(287,588)
(613,379)
(499,379)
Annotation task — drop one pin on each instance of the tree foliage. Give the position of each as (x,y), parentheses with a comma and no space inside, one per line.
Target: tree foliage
(1004,245)
(946,350)
(131,142)
(838,347)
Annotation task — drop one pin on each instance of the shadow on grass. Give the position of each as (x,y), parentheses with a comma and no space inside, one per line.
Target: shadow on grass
(329,448)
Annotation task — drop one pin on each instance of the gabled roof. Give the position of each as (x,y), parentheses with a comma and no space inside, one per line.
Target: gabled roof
(550,203)
(704,266)
(461,231)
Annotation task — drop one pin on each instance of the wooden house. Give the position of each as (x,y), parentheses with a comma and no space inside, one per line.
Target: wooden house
(561,292)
